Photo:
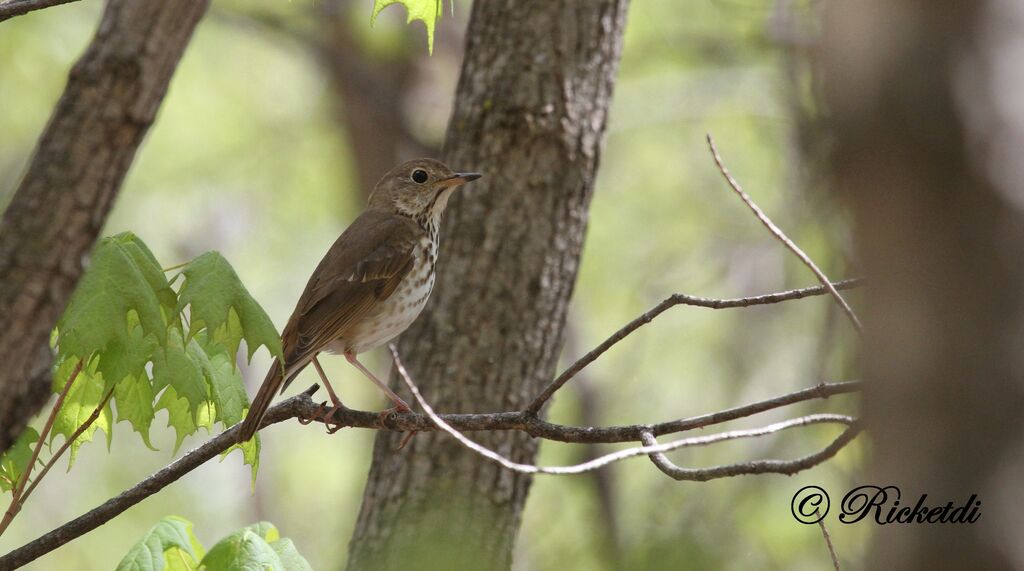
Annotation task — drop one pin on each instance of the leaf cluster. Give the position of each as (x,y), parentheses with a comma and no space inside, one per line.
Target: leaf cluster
(146,346)
(172,545)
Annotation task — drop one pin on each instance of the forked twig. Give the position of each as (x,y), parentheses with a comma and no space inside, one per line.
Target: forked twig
(68,442)
(778,233)
(787,467)
(613,456)
(16,494)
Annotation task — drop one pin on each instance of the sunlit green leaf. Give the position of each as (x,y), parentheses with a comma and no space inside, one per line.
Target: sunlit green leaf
(120,279)
(427,11)
(82,400)
(213,291)
(181,369)
(246,549)
(134,397)
(290,557)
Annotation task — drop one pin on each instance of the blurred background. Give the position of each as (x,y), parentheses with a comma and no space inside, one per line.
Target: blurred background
(279,120)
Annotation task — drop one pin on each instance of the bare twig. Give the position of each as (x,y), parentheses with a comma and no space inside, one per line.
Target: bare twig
(303,406)
(787,467)
(13,8)
(674,300)
(67,443)
(828,540)
(16,493)
(650,449)
(778,233)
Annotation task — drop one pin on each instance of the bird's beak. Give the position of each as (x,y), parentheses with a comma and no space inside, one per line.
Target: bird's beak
(459,179)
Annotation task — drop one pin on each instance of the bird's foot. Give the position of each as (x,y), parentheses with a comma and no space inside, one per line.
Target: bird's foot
(325,414)
(408,437)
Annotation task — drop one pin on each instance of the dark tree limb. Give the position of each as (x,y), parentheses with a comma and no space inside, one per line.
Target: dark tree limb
(303,407)
(13,8)
(111,99)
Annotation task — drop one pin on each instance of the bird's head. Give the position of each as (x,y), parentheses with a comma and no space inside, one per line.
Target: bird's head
(419,188)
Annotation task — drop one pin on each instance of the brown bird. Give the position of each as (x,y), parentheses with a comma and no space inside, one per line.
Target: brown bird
(372,283)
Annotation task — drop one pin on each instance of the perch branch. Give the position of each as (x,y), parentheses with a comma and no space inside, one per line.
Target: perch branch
(648,449)
(676,299)
(778,233)
(303,406)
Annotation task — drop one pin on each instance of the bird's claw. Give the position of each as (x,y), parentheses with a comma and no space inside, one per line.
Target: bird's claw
(325,415)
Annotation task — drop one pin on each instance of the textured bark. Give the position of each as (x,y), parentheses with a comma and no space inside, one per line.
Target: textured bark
(920,92)
(111,98)
(530,112)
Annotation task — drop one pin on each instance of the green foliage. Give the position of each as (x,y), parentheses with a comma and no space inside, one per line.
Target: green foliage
(425,10)
(83,398)
(257,547)
(140,353)
(14,461)
(222,305)
(171,545)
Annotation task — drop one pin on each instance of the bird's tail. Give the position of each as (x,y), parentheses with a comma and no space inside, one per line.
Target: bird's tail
(261,403)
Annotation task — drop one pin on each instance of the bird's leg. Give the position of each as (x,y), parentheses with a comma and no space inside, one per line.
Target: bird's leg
(400,405)
(338,405)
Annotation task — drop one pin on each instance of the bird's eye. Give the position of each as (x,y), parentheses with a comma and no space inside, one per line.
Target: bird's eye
(419,176)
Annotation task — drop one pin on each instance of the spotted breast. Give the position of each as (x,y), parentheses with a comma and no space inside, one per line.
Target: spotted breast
(393,315)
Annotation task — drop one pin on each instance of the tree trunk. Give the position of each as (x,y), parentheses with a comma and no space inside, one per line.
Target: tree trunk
(928,156)
(530,112)
(111,99)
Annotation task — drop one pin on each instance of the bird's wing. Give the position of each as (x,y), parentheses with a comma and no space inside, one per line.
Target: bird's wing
(364,266)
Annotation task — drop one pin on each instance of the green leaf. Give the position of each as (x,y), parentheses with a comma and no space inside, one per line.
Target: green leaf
(181,369)
(247,549)
(213,292)
(227,388)
(82,399)
(425,10)
(124,358)
(15,460)
(169,544)
(181,417)
(250,454)
(151,270)
(121,278)
(134,396)
(290,557)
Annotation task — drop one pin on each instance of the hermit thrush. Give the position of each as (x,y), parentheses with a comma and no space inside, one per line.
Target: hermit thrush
(371,285)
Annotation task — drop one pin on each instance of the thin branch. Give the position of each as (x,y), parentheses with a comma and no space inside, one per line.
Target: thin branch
(13,8)
(778,233)
(828,540)
(674,300)
(787,467)
(647,449)
(15,506)
(303,406)
(67,444)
